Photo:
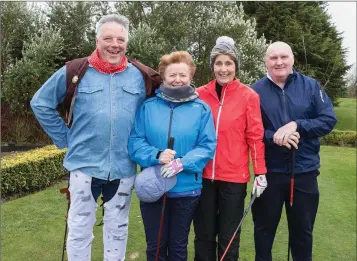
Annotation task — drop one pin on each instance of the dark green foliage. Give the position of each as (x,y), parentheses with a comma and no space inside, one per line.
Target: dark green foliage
(73,20)
(30,56)
(18,23)
(316,44)
(25,77)
(158,28)
(340,138)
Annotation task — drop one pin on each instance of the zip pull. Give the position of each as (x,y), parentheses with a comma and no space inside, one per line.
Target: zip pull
(321,96)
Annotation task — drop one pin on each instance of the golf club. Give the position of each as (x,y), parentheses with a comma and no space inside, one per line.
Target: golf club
(292,181)
(239,225)
(66,191)
(171,147)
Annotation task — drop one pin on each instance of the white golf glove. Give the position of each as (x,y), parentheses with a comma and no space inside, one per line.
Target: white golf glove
(259,185)
(171,169)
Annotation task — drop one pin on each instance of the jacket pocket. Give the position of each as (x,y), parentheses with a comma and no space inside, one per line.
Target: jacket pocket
(131,97)
(91,97)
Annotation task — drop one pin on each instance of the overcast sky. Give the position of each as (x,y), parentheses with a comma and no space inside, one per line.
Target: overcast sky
(343,15)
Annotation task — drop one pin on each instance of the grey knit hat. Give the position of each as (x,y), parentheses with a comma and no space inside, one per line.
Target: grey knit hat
(225,45)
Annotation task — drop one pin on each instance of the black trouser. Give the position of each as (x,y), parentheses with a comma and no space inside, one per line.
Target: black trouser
(219,212)
(267,210)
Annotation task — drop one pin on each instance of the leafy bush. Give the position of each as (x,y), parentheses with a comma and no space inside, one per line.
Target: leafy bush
(340,138)
(32,170)
(26,76)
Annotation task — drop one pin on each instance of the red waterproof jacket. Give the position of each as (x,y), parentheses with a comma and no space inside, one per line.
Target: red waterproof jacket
(239,128)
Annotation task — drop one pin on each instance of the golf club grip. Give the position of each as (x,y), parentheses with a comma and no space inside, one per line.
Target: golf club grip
(293,158)
(171,143)
(292,181)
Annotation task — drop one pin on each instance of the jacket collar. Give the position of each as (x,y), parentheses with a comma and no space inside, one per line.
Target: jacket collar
(211,86)
(292,74)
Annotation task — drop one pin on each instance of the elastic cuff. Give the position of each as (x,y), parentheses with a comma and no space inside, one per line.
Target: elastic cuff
(158,154)
(298,125)
(62,144)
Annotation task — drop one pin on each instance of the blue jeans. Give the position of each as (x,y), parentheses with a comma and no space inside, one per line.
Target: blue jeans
(178,215)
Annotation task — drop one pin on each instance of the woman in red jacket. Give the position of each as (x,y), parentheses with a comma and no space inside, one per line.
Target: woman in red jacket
(239,129)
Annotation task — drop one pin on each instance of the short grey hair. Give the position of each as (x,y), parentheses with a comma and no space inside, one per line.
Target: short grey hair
(120,19)
(279,45)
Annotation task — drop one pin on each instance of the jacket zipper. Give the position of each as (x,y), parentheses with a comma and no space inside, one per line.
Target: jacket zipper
(169,133)
(170,123)
(218,118)
(288,80)
(284,105)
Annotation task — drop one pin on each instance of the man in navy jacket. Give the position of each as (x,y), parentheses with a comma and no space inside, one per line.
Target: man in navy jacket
(296,112)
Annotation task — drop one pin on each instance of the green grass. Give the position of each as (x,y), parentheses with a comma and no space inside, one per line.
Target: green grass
(346,114)
(32,227)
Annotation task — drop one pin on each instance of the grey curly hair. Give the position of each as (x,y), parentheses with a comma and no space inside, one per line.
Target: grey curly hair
(120,19)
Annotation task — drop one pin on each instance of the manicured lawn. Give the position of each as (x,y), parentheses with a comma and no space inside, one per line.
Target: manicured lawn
(346,114)
(33,226)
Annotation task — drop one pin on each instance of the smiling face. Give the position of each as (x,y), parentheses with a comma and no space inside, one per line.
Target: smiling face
(177,74)
(224,69)
(279,61)
(112,41)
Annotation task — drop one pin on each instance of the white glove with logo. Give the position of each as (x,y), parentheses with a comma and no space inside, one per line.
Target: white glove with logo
(171,169)
(259,185)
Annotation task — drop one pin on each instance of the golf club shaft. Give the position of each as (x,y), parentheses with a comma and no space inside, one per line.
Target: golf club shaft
(292,183)
(160,229)
(240,223)
(65,235)
(292,179)
(170,145)
(289,249)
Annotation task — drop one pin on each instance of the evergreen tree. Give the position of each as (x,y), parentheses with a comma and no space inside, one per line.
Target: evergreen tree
(157,28)
(27,75)
(316,44)
(75,22)
(18,23)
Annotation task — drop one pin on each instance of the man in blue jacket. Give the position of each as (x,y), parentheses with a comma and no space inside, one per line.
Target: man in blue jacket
(296,112)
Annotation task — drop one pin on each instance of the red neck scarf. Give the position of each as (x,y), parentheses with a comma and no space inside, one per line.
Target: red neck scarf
(105,67)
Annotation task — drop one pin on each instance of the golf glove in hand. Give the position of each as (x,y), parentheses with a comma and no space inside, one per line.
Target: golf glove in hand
(259,185)
(171,169)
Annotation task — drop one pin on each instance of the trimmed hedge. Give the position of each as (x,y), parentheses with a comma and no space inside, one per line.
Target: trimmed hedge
(30,171)
(26,172)
(340,138)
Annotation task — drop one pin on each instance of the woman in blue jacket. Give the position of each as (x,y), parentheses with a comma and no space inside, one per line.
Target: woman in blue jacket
(175,112)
